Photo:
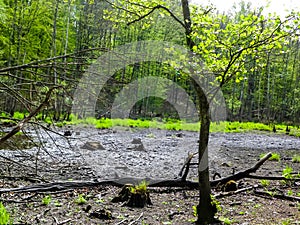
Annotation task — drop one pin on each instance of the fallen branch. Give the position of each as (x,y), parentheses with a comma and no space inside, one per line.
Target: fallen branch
(224,194)
(31,64)
(186,165)
(275,195)
(59,186)
(22,123)
(272,178)
(242,174)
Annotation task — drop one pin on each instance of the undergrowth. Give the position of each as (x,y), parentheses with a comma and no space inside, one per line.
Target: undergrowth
(166,124)
(223,126)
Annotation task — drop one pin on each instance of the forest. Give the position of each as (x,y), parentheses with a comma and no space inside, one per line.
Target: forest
(51,43)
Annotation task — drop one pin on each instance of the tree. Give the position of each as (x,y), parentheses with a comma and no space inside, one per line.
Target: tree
(225,46)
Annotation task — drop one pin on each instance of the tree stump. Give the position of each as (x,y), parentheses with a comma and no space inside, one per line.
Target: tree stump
(133,196)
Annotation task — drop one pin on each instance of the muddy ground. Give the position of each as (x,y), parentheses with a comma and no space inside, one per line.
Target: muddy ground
(91,154)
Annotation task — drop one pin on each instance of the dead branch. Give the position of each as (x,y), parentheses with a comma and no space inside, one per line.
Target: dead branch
(22,123)
(27,65)
(152,10)
(186,165)
(242,174)
(275,195)
(59,186)
(18,96)
(272,178)
(224,194)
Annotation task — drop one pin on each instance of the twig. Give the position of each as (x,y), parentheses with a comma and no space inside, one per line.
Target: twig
(123,221)
(224,194)
(133,222)
(64,221)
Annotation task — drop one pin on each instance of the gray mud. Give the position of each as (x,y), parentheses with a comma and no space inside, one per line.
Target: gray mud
(126,152)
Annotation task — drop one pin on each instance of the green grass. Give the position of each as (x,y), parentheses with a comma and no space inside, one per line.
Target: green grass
(80,200)
(4,215)
(296,159)
(224,126)
(168,124)
(274,157)
(46,200)
(139,188)
(265,183)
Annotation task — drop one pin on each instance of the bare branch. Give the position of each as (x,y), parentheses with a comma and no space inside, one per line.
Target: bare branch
(21,124)
(49,59)
(152,10)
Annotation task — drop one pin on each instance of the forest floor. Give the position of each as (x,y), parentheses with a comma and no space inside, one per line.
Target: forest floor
(90,154)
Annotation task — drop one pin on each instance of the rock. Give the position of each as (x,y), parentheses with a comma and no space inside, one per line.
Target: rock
(136,141)
(230,186)
(102,214)
(93,145)
(67,133)
(180,135)
(136,147)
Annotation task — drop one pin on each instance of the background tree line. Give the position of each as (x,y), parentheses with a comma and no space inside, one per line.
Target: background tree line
(46,43)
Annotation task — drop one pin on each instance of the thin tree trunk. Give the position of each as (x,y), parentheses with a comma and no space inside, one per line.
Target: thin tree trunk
(205,209)
(53,54)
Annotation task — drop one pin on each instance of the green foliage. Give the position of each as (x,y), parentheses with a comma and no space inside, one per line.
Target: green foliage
(18,115)
(265,183)
(226,220)
(80,200)
(4,215)
(140,188)
(286,222)
(287,172)
(245,126)
(216,203)
(296,158)
(47,200)
(275,157)
(195,211)
(57,203)
(271,193)
(289,192)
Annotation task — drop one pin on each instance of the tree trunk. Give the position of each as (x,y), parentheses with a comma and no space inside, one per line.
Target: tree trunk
(205,209)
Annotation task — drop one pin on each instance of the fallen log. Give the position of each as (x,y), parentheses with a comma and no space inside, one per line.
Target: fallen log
(63,185)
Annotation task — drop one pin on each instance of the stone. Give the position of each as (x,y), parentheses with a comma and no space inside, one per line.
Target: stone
(93,145)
